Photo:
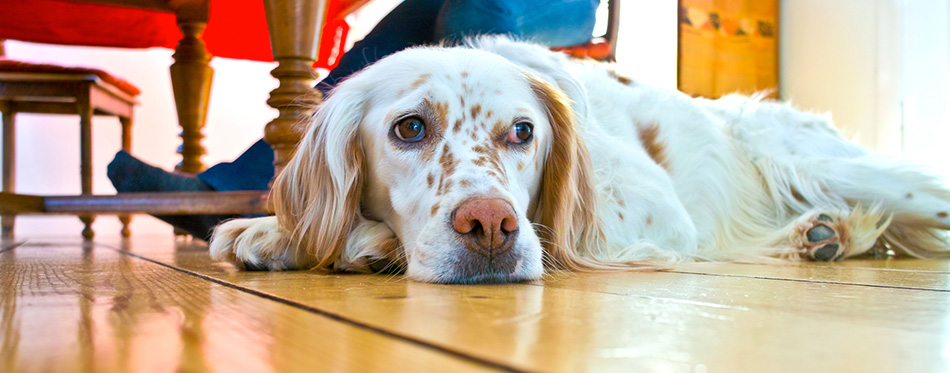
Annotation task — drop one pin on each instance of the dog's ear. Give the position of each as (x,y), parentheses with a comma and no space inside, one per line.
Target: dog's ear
(316,197)
(566,207)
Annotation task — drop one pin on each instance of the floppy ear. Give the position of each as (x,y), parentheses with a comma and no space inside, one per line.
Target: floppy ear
(316,197)
(567,203)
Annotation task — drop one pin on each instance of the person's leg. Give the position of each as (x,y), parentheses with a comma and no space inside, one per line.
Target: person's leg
(128,174)
(409,24)
(553,23)
(252,170)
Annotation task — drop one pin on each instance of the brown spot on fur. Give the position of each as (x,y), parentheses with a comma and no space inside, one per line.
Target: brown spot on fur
(795,193)
(465,74)
(475,110)
(488,114)
(447,161)
(474,135)
(442,113)
(481,149)
(942,214)
(649,220)
(488,156)
(620,215)
(909,195)
(655,149)
(621,202)
(499,129)
(427,153)
(430,180)
(622,79)
(419,81)
(465,183)
(462,100)
(458,126)
(497,176)
(435,208)
(520,166)
(444,188)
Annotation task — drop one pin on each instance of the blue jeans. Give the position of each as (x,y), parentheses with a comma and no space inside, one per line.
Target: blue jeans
(421,22)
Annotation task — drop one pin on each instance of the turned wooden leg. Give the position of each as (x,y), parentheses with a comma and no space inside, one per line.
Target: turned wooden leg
(9,163)
(191,82)
(127,146)
(85,162)
(294,27)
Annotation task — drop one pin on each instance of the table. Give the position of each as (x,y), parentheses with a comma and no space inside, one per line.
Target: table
(280,30)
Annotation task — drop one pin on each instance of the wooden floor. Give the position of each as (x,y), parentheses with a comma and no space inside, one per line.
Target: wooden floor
(151,304)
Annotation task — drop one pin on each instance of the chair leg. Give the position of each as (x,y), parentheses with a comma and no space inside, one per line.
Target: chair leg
(127,146)
(85,163)
(9,165)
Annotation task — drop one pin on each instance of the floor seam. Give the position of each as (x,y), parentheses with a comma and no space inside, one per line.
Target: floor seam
(329,315)
(810,281)
(11,247)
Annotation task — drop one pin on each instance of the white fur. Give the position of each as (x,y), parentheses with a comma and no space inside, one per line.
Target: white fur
(739,177)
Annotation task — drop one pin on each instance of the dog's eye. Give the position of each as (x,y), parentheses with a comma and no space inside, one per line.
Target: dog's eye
(520,133)
(410,129)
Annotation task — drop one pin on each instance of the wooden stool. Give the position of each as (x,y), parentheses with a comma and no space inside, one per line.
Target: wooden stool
(49,89)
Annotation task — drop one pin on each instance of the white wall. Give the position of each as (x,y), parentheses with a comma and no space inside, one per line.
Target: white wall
(647,41)
(829,61)
(880,67)
(925,87)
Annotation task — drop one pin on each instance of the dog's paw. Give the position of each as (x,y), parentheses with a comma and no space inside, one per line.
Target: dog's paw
(823,238)
(258,244)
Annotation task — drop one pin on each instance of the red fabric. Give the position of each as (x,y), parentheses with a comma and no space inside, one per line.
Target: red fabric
(598,49)
(236,28)
(23,67)
(332,43)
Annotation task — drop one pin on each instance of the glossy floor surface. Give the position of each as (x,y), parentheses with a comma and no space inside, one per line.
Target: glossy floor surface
(154,304)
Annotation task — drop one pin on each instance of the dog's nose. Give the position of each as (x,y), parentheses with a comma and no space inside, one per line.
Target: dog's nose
(485,224)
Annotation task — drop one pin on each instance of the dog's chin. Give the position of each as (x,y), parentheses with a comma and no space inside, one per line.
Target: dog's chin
(466,267)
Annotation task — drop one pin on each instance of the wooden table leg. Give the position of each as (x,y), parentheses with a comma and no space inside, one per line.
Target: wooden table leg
(85,161)
(294,27)
(191,82)
(9,162)
(127,146)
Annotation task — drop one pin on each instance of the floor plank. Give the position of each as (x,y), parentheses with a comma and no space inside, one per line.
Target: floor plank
(65,308)
(632,320)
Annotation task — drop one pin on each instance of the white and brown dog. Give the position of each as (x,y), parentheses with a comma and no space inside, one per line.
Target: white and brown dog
(491,162)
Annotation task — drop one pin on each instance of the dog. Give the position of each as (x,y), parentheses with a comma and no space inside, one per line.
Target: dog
(499,159)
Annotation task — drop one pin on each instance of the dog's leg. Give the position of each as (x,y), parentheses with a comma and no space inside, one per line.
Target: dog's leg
(828,236)
(257,244)
(918,201)
(915,201)
(911,195)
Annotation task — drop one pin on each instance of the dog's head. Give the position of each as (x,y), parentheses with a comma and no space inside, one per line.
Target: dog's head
(452,163)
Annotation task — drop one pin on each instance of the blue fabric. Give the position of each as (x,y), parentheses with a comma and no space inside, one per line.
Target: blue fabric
(553,23)
(419,22)
(253,170)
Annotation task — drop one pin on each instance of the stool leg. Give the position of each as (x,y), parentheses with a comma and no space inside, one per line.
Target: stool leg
(9,165)
(127,146)
(85,163)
